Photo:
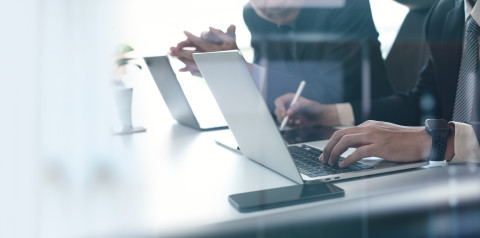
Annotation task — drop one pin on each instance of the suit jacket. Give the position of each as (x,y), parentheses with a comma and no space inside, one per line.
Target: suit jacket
(322,47)
(434,94)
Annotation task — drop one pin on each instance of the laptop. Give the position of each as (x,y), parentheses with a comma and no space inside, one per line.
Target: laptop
(257,134)
(177,103)
(226,139)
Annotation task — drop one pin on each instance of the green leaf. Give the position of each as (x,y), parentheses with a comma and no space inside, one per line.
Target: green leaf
(123,48)
(125,61)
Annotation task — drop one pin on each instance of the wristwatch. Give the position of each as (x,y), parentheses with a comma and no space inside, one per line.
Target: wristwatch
(439,130)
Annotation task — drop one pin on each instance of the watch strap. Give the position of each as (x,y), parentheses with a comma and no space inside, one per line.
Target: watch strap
(439,130)
(439,147)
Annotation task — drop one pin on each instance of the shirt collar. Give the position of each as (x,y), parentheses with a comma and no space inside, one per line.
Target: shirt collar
(473,11)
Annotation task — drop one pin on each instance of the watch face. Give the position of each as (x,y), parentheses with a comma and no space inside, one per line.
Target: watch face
(436,124)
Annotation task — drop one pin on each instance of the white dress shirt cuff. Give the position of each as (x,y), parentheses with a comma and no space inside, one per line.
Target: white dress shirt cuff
(345,114)
(466,146)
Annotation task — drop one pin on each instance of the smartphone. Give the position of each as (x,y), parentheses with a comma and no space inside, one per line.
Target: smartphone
(284,196)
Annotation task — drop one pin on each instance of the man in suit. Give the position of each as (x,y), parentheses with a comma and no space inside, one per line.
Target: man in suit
(290,46)
(450,78)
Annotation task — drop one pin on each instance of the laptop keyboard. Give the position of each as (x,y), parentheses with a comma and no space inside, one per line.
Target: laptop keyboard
(306,159)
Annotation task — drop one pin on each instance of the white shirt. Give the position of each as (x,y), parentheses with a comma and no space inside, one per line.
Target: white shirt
(466,145)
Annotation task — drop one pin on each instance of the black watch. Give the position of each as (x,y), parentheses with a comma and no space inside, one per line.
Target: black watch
(439,130)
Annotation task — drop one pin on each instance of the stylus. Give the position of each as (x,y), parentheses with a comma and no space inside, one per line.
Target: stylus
(295,98)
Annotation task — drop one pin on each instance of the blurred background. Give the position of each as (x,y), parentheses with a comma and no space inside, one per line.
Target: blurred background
(153,26)
(56,103)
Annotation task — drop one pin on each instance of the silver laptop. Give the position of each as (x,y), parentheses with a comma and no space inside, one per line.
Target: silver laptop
(291,136)
(256,133)
(177,102)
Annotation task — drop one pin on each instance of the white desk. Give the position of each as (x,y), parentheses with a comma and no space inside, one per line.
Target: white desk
(176,180)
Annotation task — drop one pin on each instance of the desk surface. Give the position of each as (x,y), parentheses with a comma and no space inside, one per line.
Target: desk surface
(174,180)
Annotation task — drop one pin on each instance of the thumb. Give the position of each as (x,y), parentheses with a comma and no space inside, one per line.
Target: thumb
(282,101)
(231,30)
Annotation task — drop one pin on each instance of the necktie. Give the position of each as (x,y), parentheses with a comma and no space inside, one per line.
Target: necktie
(468,77)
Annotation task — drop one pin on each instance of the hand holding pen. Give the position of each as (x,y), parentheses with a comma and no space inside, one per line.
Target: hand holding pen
(294,100)
(303,112)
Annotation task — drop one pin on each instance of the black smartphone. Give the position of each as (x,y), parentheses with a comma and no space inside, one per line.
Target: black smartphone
(284,196)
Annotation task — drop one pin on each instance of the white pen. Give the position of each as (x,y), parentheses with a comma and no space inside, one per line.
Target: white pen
(295,98)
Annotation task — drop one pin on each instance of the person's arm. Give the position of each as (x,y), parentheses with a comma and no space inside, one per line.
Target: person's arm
(401,108)
(385,140)
(305,112)
(399,143)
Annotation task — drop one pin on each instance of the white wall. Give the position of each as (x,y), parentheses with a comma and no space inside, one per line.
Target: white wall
(152,27)
(56,63)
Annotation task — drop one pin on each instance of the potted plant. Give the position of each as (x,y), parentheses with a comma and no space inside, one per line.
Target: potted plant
(123,89)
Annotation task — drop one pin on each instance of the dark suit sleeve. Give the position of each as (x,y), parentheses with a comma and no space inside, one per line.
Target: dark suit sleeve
(406,108)
(402,108)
